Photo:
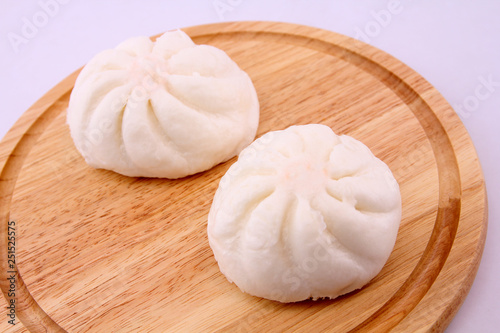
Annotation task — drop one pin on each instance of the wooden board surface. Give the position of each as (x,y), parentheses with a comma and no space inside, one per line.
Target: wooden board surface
(101,252)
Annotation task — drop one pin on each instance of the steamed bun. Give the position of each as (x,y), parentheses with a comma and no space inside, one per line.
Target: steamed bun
(303,214)
(168,108)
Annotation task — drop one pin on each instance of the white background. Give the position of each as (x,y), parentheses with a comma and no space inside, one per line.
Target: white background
(454,44)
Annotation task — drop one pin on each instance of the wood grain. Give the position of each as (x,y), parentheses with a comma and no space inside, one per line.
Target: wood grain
(100,252)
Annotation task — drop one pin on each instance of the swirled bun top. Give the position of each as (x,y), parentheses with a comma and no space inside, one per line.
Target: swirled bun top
(168,108)
(303,214)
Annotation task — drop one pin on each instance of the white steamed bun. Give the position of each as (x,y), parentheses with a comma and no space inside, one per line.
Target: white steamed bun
(168,108)
(303,214)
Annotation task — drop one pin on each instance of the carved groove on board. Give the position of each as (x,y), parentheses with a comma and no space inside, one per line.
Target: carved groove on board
(448,216)
(29,312)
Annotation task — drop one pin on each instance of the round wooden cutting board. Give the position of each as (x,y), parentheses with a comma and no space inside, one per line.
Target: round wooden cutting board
(100,252)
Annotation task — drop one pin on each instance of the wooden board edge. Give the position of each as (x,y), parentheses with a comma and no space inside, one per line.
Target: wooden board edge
(28,122)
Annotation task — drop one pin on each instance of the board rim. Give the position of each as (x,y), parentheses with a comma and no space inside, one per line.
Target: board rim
(15,147)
